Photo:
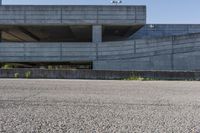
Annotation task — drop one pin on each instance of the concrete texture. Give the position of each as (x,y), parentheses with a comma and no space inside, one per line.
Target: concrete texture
(151,47)
(164,53)
(73,15)
(96,33)
(163,30)
(99,106)
(30,52)
(179,52)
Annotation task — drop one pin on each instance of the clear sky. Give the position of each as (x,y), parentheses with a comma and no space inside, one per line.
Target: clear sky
(158,11)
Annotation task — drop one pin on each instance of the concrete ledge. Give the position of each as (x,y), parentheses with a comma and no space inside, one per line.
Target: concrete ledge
(98,74)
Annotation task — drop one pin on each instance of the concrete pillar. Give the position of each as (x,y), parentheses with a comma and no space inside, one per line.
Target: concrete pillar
(0,30)
(97,33)
(0,36)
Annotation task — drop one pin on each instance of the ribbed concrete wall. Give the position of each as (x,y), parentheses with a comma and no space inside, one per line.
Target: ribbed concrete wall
(53,52)
(44,15)
(163,30)
(167,53)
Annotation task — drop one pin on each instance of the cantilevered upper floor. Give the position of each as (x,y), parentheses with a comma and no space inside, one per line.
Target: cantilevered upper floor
(72,15)
(43,23)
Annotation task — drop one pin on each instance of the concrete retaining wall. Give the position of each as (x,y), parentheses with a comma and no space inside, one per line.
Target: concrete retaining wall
(92,74)
(165,53)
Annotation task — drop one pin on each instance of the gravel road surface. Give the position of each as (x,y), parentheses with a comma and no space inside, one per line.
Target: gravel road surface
(90,106)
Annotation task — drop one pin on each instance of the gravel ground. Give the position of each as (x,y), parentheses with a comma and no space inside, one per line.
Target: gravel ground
(46,106)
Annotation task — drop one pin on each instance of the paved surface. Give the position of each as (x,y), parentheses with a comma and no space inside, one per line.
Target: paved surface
(99,106)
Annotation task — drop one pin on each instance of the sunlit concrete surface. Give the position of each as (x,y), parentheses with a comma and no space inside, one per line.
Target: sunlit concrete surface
(99,106)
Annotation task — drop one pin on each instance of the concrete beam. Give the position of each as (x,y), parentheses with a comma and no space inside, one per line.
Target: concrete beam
(72,15)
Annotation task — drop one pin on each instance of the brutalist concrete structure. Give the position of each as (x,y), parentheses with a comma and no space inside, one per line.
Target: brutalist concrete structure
(95,37)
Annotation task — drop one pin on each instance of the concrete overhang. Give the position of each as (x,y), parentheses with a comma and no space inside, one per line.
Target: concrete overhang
(72,15)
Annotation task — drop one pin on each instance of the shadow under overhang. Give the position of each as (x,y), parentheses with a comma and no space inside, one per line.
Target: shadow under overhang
(71,33)
(64,33)
(118,32)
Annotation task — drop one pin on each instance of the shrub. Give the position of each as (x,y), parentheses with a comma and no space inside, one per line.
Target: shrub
(140,78)
(16,75)
(7,66)
(50,67)
(28,74)
(135,78)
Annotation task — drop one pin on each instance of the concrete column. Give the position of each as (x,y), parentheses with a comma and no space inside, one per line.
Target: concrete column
(0,36)
(97,33)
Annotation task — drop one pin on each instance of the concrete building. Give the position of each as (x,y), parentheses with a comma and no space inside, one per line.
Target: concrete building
(95,37)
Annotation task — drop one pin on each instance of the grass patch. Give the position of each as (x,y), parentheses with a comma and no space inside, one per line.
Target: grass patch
(139,78)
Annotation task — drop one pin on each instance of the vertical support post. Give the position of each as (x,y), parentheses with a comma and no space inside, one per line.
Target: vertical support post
(96,37)
(0,30)
(172,54)
(96,33)
(0,35)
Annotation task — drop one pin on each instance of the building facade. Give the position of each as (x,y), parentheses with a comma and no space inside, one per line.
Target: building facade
(95,37)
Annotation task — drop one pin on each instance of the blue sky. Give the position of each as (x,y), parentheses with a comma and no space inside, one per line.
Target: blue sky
(158,11)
